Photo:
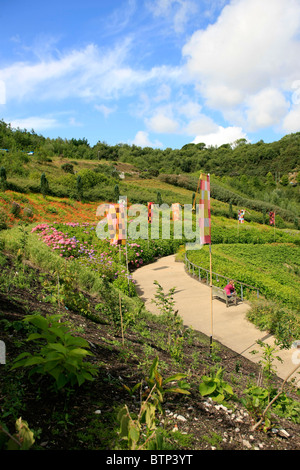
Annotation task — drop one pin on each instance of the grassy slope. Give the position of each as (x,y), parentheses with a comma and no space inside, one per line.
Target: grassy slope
(35,208)
(52,209)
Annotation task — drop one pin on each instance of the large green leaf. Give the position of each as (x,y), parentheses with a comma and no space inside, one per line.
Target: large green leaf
(134,432)
(59,347)
(76,341)
(79,352)
(207,388)
(177,390)
(38,321)
(174,378)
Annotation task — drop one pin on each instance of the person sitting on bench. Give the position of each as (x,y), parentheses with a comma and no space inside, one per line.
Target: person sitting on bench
(230,290)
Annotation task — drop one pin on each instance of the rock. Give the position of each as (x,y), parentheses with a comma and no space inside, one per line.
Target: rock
(181,418)
(247,444)
(283,433)
(221,407)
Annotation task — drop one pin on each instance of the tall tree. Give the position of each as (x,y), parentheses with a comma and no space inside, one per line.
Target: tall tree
(79,187)
(3,178)
(44,185)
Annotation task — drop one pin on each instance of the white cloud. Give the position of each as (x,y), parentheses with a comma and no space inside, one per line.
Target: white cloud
(291,122)
(222,136)
(35,122)
(163,93)
(2,92)
(74,123)
(202,125)
(266,108)
(246,56)
(190,109)
(142,140)
(105,110)
(178,11)
(220,96)
(162,123)
(88,73)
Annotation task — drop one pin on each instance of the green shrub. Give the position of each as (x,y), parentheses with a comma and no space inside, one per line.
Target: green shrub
(67,168)
(215,387)
(15,209)
(61,354)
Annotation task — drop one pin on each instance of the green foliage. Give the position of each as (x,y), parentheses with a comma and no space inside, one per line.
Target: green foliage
(125,285)
(131,429)
(159,198)
(162,387)
(61,354)
(116,193)
(267,360)
(79,187)
(175,331)
(44,185)
(23,439)
(90,178)
(15,208)
(3,178)
(215,387)
(255,401)
(164,302)
(284,180)
(68,168)
(283,323)
(110,306)
(257,398)
(271,268)
(142,432)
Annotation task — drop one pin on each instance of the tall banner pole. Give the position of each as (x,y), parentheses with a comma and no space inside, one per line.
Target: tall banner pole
(210,269)
(205,233)
(127,269)
(211,300)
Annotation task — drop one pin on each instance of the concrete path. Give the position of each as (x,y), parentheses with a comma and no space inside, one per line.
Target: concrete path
(192,300)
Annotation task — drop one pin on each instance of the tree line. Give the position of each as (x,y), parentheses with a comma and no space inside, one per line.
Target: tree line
(240,158)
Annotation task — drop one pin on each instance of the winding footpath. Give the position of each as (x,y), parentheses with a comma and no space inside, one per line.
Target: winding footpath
(230,326)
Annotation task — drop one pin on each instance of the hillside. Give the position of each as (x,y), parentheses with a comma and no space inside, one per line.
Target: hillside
(53,263)
(260,176)
(86,417)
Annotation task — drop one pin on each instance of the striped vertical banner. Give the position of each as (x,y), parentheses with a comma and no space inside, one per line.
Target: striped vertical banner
(150,212)
(116,224)
(204,210)
(122,221)
(112,223)
(272,218)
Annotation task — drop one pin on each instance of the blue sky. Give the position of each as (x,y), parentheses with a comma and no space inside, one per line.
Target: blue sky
(159,73)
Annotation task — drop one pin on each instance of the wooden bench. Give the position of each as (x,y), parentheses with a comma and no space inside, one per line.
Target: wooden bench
(218,292)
